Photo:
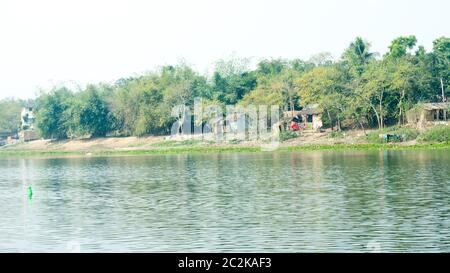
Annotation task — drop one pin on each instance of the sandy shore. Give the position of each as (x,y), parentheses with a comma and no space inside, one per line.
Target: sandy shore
(158,142)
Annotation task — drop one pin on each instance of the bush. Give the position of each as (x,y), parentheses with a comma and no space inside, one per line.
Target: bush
(337,134)
(285,135)
(436,134)
(406,133)
(235,141)
(373,137)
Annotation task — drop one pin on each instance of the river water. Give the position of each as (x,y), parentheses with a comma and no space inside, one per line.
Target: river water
(363,201)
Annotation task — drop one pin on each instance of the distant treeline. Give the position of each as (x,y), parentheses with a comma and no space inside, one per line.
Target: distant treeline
(361,89)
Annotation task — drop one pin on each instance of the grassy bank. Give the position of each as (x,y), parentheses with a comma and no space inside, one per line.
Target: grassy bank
(437,134)
(228,149)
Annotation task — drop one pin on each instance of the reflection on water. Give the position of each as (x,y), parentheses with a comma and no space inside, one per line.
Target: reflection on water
(290,202)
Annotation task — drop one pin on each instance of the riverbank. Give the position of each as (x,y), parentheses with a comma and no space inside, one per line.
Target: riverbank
(133,146)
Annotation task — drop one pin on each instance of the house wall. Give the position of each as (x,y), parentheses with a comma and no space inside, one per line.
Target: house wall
(428,115)
(421,118)
(427,118)
(317,122)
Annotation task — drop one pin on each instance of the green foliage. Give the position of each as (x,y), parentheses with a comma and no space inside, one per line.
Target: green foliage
(52,113)
(174,143)
(232,80)
(271,67)
(337,134)
(10,114)
(357,56)
(325,86)
(407,134)
(286,135)
(61,113)
(399,46)
(440,63)
(373,137)
(90,114)
(436,134)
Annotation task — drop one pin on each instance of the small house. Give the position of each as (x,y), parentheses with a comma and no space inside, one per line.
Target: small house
(309,118)
(429,114)
(27,118)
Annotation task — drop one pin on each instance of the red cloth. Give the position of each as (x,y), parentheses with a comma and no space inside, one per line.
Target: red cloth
(294,126)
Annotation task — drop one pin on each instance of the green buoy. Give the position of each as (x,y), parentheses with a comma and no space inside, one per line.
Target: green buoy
(30,192)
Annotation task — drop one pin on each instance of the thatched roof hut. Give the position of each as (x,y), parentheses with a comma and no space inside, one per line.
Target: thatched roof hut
(429,114)
(310,116)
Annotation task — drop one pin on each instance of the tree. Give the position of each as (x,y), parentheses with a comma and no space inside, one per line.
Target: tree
(50,112)
(357,56)
(10,114)
(301,66)
(90,114)
(271,67)
(324,86)
(405,81)
(275,84)
(125,103)
(374,88)
(290,95)
(232,80)
(441,62)
(399,46)
(322,59)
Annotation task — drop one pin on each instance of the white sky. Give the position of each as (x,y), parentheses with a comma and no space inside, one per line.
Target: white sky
(50,42)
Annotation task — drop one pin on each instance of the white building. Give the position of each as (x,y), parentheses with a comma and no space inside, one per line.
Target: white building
(27,118)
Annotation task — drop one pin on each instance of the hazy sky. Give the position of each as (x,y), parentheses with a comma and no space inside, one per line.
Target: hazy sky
(49,42)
